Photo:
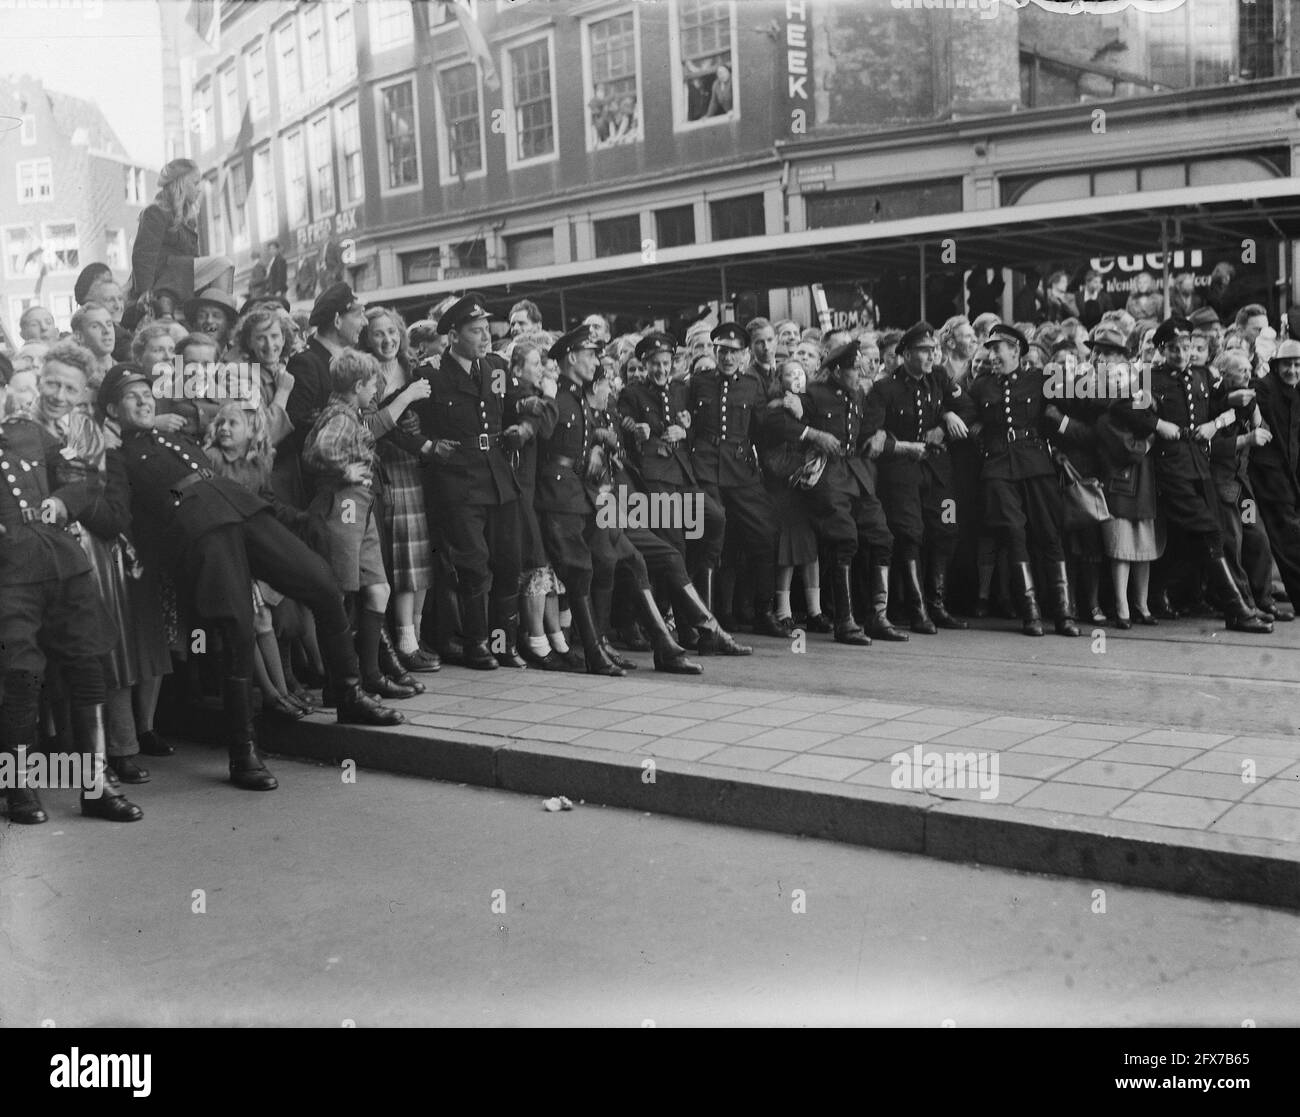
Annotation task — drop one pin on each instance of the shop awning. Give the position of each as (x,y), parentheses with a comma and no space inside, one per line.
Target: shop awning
(1009,236)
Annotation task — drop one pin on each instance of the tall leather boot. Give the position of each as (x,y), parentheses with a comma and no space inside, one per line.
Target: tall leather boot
(670,657)
(847,630)
(915,598)
(354,705)
(19,725)
(370,626)
(24,804)
(1238,616)
(714,639)
(724,590)
(474,625)
(390,666)
(1063,607)
(246,768)
(602,603)
(1023,575)
(447,620)
(936,587)
(702,580)
(879,626)
(505,616)
(584,624)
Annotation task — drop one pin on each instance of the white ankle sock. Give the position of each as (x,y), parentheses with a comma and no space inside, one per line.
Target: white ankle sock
(406,639)
(783,603)
(813,595)
(558,642)
(540,646)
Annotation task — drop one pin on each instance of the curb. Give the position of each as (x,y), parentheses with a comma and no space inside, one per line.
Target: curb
(1218,866)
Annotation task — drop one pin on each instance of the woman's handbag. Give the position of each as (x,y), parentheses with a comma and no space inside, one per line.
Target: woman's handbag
(809,472)
(1084,497)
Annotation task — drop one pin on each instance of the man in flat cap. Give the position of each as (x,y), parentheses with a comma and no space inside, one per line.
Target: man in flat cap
(1022,496)
(473,420)
(655,418)
(338,317)
(919,410)
(843,505)
(727,411)
(218,536)
(1188,416)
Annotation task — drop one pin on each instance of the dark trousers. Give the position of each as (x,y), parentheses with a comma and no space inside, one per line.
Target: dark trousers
(1282,522)
(915,509)
(843,519)
(1024,511)
(751,529)
(482,543)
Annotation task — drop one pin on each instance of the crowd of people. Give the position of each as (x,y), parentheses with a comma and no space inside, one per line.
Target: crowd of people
(390,498)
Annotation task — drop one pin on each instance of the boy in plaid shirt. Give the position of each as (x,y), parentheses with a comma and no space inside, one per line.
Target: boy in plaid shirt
(340,450)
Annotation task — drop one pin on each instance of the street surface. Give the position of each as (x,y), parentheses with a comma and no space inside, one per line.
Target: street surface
(372,903)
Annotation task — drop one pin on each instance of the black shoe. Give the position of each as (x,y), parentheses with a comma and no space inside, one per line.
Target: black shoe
(983,609)
(419,662)
(551,661)
(247,771)
(621,662)
(511,658)
(573,660)
(153,745)
(25,807)
(127,770)
(817,622)
(355,707)
(112,808)
(632,638)
(1065,626)
(478,657)
(384,687)
(282,709)
(676,663)
(850,633)
(768,624)
(879,628)
(1146,619)
(1123,623)
(721,643)
(1249,623)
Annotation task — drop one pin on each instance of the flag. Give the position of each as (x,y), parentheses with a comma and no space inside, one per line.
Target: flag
(203,20)
(478,45)
(242,156)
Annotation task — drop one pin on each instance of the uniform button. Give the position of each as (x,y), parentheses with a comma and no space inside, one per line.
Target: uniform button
(194,465)
(11,478)
(21,503)
(17,492)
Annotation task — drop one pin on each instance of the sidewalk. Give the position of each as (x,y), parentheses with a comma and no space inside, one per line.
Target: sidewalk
(1162,808)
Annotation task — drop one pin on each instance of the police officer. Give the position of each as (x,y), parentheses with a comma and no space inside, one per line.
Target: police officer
(843,503)
(1275,462)
(1022,497)
(471,416)
(218,536)
(917,407)
(50,607)
(727,409)
(1187,417)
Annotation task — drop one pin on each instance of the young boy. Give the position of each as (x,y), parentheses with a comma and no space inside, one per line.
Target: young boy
(340,451)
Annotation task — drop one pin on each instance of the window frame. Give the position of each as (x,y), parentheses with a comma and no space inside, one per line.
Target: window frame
(206,96)
(734,196)
(321,124)
(677,70)
(344,62)
(27,129)
(588,83)
(295,140)
(376,8)
(282,31)
(314,11)
(635,215)
(37,198)
(45,237)
(228,83)
(258,46)
(443,133)
(11,273)
(119,235)
(266,229)
(342,170)
(381,135)
(507,71)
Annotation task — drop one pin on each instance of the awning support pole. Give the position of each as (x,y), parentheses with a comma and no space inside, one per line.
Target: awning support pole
(564,315)
(920,252)
(1164,256)
(722,299)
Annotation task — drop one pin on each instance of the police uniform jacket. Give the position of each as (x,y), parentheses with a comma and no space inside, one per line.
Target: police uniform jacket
(472,409)
(906,408)
(1187,400)
(32,551)
(562,455)
(1275,468)
(726,422)
(829,407)
(657,406)
(1013,427)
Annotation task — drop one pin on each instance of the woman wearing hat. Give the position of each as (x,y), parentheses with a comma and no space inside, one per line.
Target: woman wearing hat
(166,252)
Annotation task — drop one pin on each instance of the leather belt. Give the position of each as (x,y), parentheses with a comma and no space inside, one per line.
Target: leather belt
(1013,435)
(485,441)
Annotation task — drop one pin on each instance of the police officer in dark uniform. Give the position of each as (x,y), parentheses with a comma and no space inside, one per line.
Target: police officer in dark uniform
(727,409)
(1187,416)
(655,415)
(471,416)
(1022,496)
(218,536)
(564,504)
(50,608)
(843,503)
(919,411)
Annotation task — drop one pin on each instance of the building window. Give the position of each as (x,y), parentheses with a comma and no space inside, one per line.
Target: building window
(115,255)
(315,67)
(421,267)
(205,116)
(893,202)
(616,236)
(738,217)
(471,255)
(255,74)
(532,97)
(295,177)
(237,200)
(216,207)
(675,227)
(613,97)
(229,102)
(62,249)
(353,178)
(362,277)
(706,85)
(531,250)
(268,222)
(345,40)
(286,48)
(28,129)
(132,195)
(321,150)
(401,140)
(35,181)
(462,125)
(390,23)
(439,16)
(21,252)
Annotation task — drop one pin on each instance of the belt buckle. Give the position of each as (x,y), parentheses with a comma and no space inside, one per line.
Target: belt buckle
(483,442)
(1011,434)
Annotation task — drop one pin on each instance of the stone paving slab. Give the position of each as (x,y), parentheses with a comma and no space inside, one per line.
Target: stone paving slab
(1159,806)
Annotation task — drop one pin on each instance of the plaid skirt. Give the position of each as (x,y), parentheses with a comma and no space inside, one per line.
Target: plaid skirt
(406,525)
